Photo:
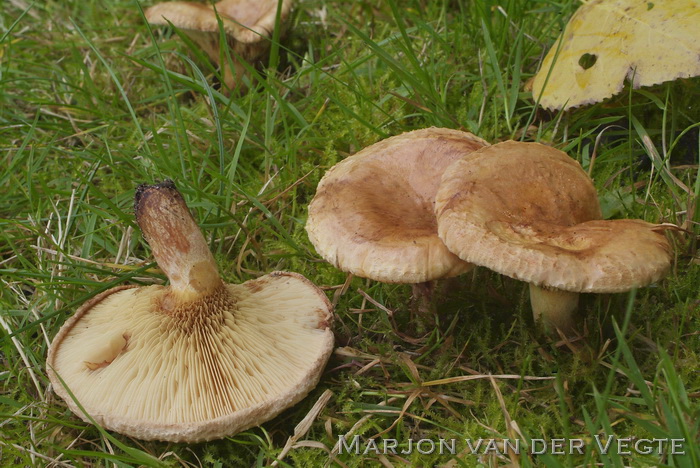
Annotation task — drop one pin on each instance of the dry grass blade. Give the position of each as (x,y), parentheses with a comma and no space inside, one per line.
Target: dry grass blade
(346,351)
(508,420)
(402,413)
(360,422)
(342,289)
(34,453)
(372,301)
(25,359)
(658,162)
(464,378)
(304,425)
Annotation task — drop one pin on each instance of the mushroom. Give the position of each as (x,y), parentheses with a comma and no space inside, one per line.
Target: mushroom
(373,213)
(248,25)
(198,359)
(530,212)
(606,43)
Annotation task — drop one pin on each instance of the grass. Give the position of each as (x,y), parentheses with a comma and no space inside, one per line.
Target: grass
(93,103)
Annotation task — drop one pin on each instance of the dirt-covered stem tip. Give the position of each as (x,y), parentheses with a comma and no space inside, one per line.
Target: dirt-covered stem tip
(175,239)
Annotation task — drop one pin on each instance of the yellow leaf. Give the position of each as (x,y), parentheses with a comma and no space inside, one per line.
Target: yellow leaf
(608,41)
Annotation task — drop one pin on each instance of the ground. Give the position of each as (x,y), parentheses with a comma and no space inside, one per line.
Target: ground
(93,102)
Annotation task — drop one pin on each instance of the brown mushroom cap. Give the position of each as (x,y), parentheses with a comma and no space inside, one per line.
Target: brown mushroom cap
(373,213)
(247,23)
(198,359)
(530,212)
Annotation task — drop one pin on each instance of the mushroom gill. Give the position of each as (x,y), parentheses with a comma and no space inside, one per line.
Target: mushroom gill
(200,359)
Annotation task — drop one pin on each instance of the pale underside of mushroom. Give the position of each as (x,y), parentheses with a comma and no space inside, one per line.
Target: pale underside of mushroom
(197,359)
(530,212)
(247,26)
(170,375)
(373,213)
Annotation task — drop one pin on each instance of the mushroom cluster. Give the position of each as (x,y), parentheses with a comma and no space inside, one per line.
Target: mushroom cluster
(197,359)
(246,24)
(409,208)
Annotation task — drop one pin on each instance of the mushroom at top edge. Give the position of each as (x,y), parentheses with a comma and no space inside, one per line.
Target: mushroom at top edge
(248,25)
(373,213)
(530,212)
(198,359)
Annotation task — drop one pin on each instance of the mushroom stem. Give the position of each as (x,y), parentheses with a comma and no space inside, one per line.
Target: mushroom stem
(554,308)
(177,243)
(422,297)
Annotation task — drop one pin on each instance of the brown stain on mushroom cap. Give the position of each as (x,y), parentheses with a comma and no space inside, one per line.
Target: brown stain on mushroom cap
(255,285)
(390,211)
(111,349)
(582,240)
(387,191)
(325,320)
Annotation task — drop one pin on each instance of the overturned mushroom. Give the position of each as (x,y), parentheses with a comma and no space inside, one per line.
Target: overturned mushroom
(247,24)
(198,359)
(530,212)
(373,213)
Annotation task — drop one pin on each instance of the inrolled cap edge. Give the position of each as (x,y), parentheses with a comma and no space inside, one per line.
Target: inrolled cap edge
(602,256)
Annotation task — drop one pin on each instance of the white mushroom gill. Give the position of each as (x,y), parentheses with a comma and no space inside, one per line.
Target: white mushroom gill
(178,369)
